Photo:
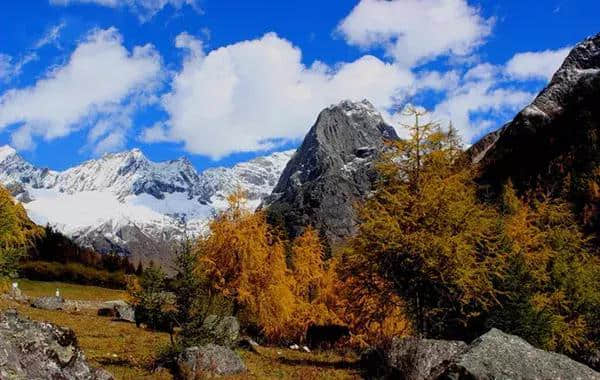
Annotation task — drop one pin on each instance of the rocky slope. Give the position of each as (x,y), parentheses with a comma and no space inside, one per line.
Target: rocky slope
(552,144)
(332,169)
(126,203)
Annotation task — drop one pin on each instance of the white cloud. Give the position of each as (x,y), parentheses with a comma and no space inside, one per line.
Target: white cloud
(101,80)
(414,31)
(145,9)
(536,65)
(10,69)
(246,96)
(6,67)
(51,36)
(479,101)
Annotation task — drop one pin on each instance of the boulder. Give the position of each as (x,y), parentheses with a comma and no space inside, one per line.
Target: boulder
(209,361)
(497,355)
(494,355)
(38,350)
(415,358)
(222,330)
(15,294)
(119,310)
(49,303)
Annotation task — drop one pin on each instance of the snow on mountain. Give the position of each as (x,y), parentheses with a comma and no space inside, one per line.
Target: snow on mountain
(126,203)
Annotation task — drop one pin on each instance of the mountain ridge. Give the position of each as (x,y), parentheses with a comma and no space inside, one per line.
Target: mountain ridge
(123,202)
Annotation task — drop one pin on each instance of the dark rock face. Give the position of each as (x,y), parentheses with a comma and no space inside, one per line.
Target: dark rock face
(496,355)
(555,137)
(34,350)
(49,303)
(332,169)
(209,361)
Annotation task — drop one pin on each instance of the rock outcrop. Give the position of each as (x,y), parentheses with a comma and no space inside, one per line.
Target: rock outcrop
(224,331)
(36,350)
(49,303)
(331,171)
(209,361)
(119,309)
(494,355)
(552,143)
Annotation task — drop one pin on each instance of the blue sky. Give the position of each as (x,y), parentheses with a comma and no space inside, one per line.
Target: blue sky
(222,82)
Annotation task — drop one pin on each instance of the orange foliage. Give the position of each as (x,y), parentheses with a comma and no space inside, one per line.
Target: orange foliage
(245,261)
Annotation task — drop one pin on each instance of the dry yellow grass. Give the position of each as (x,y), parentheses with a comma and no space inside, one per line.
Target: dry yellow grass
(128,351)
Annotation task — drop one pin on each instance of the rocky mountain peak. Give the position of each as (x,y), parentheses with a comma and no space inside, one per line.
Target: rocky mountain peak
(331,170)
(6,151)
(551,145)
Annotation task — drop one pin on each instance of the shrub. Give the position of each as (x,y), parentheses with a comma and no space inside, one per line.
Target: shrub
(72,272)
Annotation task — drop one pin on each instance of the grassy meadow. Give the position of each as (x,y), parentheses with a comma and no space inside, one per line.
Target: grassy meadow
(128,352)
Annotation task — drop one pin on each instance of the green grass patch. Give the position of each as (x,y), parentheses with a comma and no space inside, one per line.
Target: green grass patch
(69,291)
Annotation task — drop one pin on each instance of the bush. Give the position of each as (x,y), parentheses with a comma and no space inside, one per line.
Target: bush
(74,273)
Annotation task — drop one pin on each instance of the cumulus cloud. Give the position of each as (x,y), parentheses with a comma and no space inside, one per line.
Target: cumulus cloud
(414,31)
(536,65)
(101,80)
(482,98)
(248,95)
(145,9)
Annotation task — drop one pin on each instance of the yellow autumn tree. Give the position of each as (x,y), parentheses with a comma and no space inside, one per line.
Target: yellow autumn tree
(425,243)
(16,233)
(244,261)
(312,281)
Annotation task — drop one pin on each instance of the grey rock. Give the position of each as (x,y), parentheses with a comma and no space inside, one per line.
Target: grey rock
(497,355)
(49,303)
(34,350)
(19,192)
(415,359)
(331,171)
(118,309)
(102,374)
(209,361)
(224,331)
(15,294)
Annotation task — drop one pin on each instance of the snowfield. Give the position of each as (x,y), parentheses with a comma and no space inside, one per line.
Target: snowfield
(124,201)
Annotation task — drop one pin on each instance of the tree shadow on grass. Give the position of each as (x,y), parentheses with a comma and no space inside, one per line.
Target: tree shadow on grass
(339,364)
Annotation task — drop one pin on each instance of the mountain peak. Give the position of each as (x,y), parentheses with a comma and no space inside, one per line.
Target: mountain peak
(332,169)
(6,151)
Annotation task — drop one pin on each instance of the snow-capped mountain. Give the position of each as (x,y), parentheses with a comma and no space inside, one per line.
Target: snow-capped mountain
(126,203)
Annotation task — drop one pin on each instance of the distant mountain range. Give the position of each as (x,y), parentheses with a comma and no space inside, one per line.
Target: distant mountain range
(126,203)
